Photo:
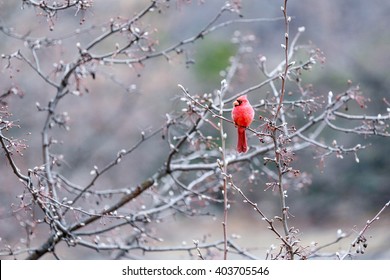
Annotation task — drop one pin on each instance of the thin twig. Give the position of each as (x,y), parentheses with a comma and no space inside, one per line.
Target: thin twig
(286,55)
(223,166)
(360,237)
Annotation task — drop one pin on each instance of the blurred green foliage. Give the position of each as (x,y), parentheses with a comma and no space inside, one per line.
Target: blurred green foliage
(211,58)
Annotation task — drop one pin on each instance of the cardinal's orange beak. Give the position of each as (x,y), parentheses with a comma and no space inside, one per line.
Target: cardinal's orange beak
(236,103)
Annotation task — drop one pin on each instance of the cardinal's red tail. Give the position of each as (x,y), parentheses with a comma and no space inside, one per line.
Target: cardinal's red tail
(242,146)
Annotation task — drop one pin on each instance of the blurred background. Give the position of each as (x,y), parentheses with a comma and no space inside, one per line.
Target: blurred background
(123,101)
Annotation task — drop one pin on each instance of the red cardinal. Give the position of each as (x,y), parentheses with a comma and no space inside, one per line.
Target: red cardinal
(242,116)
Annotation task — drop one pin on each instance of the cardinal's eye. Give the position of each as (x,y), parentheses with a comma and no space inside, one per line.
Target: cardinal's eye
(237,102)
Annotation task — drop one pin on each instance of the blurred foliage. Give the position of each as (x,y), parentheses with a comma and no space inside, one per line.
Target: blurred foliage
(212,57)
